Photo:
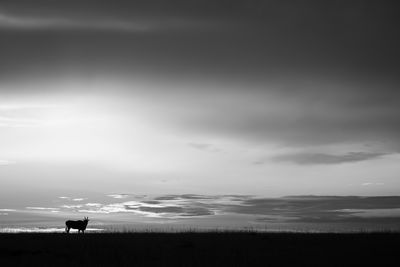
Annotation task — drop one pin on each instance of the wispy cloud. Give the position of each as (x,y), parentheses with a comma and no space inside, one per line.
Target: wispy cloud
(321,208)
(93,204)
(24,115)
(204,146)
(102,23)
(44,209)
(374,213)
(7,210)
(26,106)
(167,206)
(118,196)
(322,158)
(71,206)
(72,198)
(294,209)
(372,184)
(143,208)
(16,21)
(18,122)
(41,208)
(78,199)
(6,162)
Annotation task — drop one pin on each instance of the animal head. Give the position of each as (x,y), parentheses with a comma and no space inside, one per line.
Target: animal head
(86,219)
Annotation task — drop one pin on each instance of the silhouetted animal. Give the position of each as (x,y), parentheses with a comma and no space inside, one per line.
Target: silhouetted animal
(80,225)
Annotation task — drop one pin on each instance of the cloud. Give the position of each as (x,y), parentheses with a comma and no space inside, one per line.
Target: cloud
(290,92)
(204,147)
(18,122)
(172,206)
(42,208)
(323,209)
(189,196)
(372,184)
(78,199)
(168,197)
(293,112)
(93,204)
(118,196)
(6,162)
(71,206)
(15,21)
(72,199)
(322,158)
(26,106)
(101,22)
(374,213)
(293,209)
(167,206)
(179,211)
(5,212)
(25,114)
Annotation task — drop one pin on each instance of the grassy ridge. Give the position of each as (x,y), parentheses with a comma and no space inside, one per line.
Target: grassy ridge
(200,249)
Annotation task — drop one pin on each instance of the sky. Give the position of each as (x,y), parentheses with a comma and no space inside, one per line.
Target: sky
(260,98)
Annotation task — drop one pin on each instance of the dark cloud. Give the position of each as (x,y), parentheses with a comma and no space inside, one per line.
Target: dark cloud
(322,209)
(167,197)
(321,158)
(180,211)
(187,205)
(166,209)
(306,209)
(193,196)
(257,38)
(323,113)
(380,210)
(292,73)
(151,202)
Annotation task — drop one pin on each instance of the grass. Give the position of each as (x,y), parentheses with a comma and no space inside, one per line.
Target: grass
(200,249)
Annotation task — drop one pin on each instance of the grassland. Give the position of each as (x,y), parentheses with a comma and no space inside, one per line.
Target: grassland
(200,249)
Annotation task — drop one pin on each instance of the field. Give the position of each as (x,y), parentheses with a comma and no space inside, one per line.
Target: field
(200,249)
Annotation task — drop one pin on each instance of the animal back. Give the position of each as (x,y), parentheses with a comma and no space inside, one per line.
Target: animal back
(76,224)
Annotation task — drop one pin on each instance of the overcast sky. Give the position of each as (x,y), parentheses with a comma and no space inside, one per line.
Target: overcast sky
(269,98)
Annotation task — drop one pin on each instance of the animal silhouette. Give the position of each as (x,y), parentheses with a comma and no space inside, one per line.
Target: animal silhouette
(80,225)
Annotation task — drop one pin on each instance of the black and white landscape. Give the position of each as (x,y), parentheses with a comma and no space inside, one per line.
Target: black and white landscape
(199,115)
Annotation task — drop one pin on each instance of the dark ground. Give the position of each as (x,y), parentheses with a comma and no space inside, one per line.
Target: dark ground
(200,249)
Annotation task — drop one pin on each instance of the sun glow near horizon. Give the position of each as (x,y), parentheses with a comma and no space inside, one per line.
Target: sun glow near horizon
(76,127)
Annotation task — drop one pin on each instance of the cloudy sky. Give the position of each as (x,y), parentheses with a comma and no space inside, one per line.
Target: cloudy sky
(265,98)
